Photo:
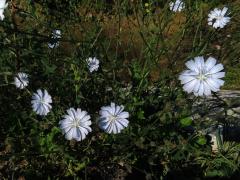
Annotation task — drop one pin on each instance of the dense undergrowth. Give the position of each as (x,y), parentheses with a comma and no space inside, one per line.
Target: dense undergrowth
(142,47)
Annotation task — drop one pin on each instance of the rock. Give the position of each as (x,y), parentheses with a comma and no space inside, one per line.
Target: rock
(219,113)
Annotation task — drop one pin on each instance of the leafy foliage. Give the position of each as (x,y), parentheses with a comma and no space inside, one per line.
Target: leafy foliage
(142,48)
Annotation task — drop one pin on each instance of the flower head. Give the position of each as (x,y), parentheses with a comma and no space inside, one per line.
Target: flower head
(113,119)
(56,35)
(93,64)
(178,5)
(3,6)
(217,18)
(202,77)
(41,101)
(76,124)
(21,80)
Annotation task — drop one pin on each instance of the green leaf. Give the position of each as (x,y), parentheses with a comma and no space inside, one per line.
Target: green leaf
(80,166)
(140,115)
(186,121)
(214,173)
(202,140)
